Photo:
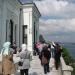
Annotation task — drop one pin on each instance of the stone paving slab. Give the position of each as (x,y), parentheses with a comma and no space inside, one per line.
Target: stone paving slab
(37,69)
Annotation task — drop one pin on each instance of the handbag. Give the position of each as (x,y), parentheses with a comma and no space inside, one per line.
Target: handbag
(20,63)
(44,60)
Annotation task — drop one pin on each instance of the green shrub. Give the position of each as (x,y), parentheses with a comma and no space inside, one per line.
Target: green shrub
(66,56)
(68,59)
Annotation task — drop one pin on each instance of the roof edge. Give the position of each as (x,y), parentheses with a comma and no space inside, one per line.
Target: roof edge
(34,5)
(29,3)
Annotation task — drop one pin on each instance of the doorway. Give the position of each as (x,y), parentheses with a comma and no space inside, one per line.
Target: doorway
(25,34)
(11,32)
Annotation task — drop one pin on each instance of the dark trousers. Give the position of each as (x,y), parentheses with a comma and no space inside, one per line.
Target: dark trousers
(57,63)
(24,71)
(34,52)
(46,68)
(37,51)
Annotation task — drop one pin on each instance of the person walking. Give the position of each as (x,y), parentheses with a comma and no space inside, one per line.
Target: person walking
(45,57)
(34,52)
(25,60)
(52,49)
(14,47)
(57,56)
(37,48)
(8,66)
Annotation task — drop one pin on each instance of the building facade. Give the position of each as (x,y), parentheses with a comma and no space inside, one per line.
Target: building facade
(9,21)
(19,23)
(30,25)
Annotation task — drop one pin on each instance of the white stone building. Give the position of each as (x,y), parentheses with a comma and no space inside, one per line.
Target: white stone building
(19,23)
(30,24)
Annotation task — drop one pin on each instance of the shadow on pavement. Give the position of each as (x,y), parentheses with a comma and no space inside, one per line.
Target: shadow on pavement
(34,73)
(18,73)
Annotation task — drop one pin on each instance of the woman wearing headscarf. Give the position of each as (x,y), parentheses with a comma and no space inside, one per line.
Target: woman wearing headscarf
(45,57)
(8,66)
(25,58)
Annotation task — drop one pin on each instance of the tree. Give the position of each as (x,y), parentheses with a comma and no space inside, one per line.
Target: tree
(41,38)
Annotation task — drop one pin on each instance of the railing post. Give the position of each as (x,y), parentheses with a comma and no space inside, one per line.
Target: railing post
(66,70)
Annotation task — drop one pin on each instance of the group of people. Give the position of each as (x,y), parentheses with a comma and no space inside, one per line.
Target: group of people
(37,48)
(44,51)
(8,65)
(47,52)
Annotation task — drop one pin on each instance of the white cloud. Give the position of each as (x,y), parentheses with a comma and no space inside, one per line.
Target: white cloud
(57,29)
(62,30)
(55,8)
(71,1)
(55,24)
(58,21)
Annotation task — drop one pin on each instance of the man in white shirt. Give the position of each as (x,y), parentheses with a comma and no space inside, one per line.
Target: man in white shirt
(52,49)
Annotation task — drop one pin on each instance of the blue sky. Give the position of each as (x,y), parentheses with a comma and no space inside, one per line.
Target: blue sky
(57,22)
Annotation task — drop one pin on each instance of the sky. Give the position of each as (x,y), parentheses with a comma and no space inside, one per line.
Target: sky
(57,22)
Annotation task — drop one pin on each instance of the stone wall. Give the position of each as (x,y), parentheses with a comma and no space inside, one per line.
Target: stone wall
(9,9)
(1,10)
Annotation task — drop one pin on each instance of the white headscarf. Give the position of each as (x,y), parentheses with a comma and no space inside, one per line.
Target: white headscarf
(24,47)
(5,49)
(6,45)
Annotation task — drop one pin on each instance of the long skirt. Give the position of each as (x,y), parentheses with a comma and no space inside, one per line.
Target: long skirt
(8,66)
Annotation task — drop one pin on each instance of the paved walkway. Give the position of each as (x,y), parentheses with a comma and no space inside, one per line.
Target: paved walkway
(37,69)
